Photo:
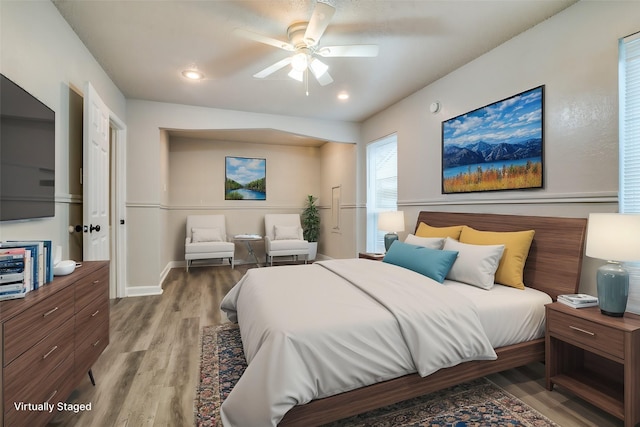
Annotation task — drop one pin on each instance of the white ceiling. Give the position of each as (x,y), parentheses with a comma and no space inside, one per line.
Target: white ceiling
(144,45)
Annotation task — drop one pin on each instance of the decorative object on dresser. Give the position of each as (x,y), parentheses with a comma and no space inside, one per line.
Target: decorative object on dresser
(595,357)
(392,222)
(51,338)
(613,237)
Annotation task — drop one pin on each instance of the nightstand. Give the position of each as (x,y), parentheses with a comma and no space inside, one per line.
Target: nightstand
(596,357)
(371,255)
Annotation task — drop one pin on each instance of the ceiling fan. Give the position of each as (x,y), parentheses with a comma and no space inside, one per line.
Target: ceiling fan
(304,44)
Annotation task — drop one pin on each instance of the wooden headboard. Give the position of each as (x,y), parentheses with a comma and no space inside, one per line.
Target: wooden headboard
(555,258)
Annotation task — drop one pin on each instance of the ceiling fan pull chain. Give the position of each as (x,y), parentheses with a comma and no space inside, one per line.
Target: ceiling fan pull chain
(306,80)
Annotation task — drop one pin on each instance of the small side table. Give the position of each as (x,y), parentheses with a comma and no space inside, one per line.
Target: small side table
(371,255)
(248,239)
(596,357)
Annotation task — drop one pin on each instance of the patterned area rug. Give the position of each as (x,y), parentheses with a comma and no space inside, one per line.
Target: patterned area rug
(477,403)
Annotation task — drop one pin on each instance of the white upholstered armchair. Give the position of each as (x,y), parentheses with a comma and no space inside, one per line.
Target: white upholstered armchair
(283,237)
(207,239)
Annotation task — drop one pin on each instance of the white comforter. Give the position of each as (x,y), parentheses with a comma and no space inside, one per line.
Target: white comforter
(312,331)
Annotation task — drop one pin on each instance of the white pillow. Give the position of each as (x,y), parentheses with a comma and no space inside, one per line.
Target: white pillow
(427,242)
(476,264)
(287,232)
(206,235)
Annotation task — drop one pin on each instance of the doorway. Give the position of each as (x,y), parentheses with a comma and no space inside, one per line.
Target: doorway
(117,156)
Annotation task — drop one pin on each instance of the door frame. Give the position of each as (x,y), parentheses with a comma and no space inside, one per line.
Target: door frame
(118,230)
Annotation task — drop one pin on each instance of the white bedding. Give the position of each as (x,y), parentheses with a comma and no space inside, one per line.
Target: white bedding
(292,321)
(508,315)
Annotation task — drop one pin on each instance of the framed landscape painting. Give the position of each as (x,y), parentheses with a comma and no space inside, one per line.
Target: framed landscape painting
(245,178)
(496,147)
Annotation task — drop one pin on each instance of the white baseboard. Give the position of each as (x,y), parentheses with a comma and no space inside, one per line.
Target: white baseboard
(142,291)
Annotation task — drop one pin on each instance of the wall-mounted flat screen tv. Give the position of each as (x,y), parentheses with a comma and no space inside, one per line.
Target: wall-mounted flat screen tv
(27,155)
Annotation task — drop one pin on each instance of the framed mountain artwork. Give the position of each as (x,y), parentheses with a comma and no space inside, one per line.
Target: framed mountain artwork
(495,147)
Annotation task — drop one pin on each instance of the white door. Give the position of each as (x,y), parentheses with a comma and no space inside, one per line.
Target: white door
(95,177)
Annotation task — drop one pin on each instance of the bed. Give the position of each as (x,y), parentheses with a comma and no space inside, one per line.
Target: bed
(553,267)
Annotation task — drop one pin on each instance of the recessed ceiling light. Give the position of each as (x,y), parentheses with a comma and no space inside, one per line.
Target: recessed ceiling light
(343,96)
(193,74)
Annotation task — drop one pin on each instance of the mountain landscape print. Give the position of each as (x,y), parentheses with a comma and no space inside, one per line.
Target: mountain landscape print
(496,147)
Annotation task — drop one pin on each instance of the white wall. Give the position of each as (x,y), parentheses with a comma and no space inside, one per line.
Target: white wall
(41,53)
(574,54)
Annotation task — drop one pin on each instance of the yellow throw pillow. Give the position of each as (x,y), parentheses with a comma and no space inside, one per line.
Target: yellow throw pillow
(516,250)
(425,230)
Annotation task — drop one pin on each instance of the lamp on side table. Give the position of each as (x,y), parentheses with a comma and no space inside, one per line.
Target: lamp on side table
(615,238)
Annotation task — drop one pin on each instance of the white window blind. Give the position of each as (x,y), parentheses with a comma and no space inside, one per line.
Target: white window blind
(382,187)
(629,193)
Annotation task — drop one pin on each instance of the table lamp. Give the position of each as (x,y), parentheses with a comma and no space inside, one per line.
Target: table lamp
(392,222)
(615,238)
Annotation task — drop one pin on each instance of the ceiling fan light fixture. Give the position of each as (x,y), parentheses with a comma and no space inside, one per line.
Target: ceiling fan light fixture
(299,61)
(318,68)
(193,74)
(296,75)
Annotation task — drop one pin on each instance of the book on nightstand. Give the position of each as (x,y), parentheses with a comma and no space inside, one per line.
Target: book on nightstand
(578,300)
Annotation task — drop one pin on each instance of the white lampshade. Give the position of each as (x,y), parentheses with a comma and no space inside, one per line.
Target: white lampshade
(391,221)
(613,236)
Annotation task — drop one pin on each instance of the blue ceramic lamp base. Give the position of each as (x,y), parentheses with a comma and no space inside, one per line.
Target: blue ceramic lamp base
(389,238)
(613,289)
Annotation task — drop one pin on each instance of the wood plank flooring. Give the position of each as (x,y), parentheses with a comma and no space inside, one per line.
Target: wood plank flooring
(148,374)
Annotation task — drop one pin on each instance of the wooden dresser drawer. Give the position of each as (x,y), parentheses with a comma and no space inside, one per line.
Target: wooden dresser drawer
(54,388)
(88,319)
(91,287)
(26,329)
(89,349)
(586,333)
(28,371)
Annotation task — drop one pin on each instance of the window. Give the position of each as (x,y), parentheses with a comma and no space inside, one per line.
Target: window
(629,193)
(630,124)
(382,187)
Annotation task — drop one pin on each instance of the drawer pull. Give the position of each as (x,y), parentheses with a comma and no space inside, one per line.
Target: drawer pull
(95,282)
(55,347)
(593,334)
(52,394)
(50,311)
(95,344)
(95,314)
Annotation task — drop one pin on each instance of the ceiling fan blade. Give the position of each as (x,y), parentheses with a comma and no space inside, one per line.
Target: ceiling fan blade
(318,23)
(324,79)
(263,39)
(358,50)
(273,68)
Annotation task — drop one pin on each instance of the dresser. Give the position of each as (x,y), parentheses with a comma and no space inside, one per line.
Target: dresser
(50,339)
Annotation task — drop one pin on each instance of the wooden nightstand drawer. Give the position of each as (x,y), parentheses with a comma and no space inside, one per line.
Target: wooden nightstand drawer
(583,332)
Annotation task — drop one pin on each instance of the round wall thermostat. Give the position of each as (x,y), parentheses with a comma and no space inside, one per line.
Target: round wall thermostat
(434,107)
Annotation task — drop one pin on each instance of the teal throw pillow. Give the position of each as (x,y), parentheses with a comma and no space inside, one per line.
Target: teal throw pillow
(429,262)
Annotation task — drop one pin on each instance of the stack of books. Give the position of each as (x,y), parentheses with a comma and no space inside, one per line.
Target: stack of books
(578,300)
(24,266)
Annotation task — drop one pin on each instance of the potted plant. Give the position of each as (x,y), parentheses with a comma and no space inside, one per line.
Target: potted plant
(311,225)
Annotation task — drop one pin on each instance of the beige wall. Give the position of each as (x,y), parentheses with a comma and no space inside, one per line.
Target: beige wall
(574,54)
(196,172)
